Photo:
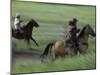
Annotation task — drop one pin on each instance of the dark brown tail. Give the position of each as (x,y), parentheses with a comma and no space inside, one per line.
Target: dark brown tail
(45,53)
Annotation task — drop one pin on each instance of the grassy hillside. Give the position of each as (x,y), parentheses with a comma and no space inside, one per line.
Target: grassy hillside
(53,19)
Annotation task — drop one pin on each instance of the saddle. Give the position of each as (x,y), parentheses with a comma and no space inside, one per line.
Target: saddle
(68,43)
(19,31)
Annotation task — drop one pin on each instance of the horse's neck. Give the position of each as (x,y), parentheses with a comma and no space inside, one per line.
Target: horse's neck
(29,27)
(30,30)
(84,38)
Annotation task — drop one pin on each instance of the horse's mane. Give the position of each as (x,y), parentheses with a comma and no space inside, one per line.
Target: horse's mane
(27,24)
(82,31)
(30,24)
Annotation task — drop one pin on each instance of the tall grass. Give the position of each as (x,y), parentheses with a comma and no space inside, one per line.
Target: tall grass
(83,62)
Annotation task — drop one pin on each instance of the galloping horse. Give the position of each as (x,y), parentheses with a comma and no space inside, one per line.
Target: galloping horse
(27,32)
(58,49)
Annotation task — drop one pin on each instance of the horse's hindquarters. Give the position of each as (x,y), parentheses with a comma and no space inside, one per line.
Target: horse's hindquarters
(60,50)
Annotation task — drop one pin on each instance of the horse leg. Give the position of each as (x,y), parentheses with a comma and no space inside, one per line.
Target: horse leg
(34,41)
(52,54)
(29,45)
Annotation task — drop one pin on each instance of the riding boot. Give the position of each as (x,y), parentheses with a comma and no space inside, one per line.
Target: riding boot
(75,50)
(77,47)
(78,50)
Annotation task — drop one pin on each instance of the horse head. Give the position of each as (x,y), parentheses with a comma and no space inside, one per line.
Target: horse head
(90,30)
(33,23)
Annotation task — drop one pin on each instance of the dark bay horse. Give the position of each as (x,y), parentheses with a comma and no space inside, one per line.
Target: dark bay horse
(83,38)
(58,48)
(27,32)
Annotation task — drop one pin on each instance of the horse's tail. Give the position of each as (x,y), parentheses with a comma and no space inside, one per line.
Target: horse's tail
(46,50)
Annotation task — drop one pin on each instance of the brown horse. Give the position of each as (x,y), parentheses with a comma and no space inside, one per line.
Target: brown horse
(83,38)
(27,32)
(58,49)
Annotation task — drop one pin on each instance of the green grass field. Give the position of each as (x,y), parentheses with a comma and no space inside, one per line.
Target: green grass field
(53,18)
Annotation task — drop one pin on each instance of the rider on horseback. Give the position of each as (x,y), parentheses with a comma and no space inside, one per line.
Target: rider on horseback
(18,23)
(71,36)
